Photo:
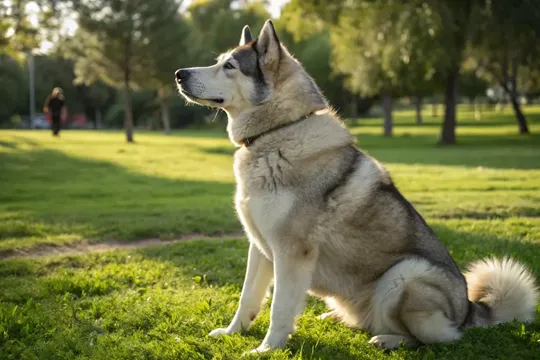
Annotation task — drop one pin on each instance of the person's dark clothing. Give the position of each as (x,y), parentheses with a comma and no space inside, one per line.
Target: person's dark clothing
(55,126)
(55,105)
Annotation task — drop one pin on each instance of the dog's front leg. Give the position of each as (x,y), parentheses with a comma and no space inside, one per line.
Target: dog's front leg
(256,282)
(293,273)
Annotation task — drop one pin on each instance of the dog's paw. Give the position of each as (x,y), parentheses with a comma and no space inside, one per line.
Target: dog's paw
(220,332)
(263,348)
(328,315)
(389,342)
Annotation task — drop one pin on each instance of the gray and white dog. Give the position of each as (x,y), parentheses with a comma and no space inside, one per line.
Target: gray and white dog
(325,218)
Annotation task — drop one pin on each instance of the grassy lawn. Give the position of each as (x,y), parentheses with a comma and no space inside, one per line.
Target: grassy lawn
(482,197)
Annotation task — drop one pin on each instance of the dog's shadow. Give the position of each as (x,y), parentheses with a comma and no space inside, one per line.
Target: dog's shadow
(312,341)
(301,346)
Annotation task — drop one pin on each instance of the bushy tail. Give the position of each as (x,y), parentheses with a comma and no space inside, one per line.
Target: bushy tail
(500,291)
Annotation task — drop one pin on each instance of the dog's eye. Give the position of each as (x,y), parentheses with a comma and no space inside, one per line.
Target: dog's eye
(228,66)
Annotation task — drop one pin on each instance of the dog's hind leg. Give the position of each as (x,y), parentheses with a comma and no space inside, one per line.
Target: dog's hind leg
(431,326)
(411,301)
(333,313)
(426,312)
(256,282)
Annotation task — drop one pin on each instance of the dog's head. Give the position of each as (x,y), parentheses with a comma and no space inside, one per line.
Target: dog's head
(258,79)
(238,79)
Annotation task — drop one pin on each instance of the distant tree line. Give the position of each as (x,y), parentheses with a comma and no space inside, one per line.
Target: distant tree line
(418,48)
(117,68)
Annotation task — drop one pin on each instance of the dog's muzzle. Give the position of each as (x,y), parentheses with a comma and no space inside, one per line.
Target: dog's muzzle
(195,90)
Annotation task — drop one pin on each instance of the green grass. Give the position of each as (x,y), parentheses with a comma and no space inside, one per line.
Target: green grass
(482,197)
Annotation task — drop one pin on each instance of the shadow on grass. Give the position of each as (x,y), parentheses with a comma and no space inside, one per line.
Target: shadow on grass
(465,119)
(8,145)
(222,262)
(501,342)
(46,193)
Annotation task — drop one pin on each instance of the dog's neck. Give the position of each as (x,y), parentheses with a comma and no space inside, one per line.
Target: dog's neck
(250,140)
(289,103)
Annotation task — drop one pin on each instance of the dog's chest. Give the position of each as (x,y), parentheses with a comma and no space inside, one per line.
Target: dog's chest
(263,204)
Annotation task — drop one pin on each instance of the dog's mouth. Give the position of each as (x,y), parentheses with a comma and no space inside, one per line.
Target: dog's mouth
(191,96)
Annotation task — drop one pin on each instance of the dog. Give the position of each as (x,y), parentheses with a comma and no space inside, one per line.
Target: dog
(324,218)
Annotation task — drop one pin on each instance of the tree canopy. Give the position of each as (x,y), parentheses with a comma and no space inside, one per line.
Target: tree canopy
(357,51)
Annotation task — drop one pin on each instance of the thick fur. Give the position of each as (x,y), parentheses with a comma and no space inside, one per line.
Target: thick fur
(325,218)
(505,287)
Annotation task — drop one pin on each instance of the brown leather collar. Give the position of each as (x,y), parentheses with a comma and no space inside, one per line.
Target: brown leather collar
(251,139)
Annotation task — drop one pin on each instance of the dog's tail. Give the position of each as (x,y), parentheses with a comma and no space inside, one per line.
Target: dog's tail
(500,291)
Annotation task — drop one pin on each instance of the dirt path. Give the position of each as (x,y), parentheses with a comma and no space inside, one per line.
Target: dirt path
(85,248)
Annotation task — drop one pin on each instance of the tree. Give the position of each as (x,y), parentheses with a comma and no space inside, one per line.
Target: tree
(357,38)
(506,49)
(382,47)
(472,86)
(17,34)
(309,42)
(455,17)
(95,97)
(216,24)
(423,57)
(12,87)
(113,43)
(170,50)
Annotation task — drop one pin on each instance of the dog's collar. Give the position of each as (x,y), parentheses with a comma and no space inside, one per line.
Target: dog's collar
(251,139)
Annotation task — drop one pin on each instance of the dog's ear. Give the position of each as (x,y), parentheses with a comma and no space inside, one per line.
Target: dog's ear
(268,45)
(246,36)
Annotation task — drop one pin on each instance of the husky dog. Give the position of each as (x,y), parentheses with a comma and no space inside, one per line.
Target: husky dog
(325,218)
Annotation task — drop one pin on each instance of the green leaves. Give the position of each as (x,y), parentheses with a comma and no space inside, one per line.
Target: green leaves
(125,37)
(377,45)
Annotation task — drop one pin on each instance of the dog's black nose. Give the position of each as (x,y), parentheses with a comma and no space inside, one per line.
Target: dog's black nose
(182,75)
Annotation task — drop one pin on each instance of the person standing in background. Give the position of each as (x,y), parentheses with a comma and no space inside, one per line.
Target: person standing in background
(55,105)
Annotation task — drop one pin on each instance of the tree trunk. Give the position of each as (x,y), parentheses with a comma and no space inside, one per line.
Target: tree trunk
(462,13)
(353,106)
(128,113)
(128,110)
(448,133)
(520,117)
(387,110)
(477,111)
(418,105)
(434,108)
(471,103)
(97,118)
(522,122)
(165,115)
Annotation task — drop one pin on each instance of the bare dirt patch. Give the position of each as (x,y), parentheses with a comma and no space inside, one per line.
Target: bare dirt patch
(85,247)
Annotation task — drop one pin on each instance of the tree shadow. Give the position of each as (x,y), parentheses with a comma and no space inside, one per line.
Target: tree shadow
(8,145)
(25,140)
(219,150)
(46,193)
(467,246)
(418,144)
(223,261)
(465,119)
